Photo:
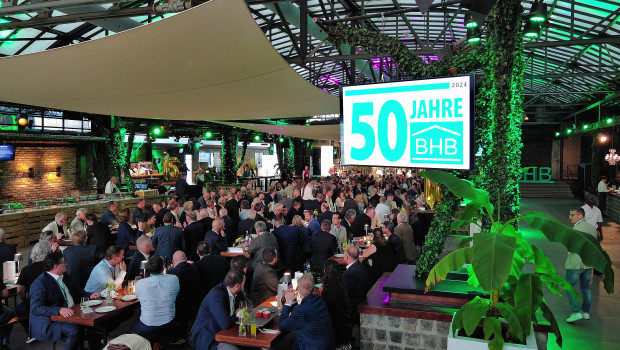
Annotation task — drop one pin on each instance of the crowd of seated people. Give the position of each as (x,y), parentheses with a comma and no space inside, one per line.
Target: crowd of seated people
(193,292)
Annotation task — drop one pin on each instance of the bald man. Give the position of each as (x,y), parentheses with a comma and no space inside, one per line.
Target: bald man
(188,300)
(309,319)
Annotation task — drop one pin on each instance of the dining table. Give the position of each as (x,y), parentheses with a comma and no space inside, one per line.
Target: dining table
(232,254)
(96,319)
(263,339)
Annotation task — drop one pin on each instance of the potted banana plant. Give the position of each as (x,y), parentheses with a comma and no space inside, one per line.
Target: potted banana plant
(497,257)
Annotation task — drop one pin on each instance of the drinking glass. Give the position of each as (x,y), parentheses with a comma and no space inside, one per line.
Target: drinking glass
(253,325)
(84,304)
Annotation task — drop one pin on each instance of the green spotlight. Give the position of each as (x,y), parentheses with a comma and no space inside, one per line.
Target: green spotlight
(470,22)
(281,139)
(585,127)
(610,120)
(256,138)
(156,131)
(557,134)
(208,134)
(538,12)
(569,131)
(531,30)
(473,35)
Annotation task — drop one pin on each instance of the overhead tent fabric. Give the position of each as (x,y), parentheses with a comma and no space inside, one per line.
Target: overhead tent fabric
(211,62)
(314,132)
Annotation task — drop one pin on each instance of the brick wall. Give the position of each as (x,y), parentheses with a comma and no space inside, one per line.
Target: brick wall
(391,332)
(14,180)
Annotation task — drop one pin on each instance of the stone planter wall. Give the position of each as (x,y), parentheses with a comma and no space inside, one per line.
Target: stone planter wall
(379,332)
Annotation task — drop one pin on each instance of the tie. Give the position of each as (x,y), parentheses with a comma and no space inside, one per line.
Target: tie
(65,292)
(232,304)
(113,270)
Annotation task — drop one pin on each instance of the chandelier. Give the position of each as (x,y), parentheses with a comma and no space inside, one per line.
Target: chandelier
(612,157)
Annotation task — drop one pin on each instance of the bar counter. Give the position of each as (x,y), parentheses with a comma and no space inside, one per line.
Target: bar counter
(24,227)
(613,206)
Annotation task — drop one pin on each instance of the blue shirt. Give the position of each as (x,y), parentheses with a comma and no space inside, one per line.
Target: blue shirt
(157,295)
(314,226)
(102,274)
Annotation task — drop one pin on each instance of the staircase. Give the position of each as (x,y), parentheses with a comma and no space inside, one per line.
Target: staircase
(557,189)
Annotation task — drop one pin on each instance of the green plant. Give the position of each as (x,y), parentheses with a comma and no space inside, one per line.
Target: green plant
(498,256)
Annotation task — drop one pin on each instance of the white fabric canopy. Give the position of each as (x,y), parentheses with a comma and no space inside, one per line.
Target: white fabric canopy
(211,62)
(312,132)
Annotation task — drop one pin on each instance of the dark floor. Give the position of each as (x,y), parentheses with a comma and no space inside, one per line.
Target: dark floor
(597,333)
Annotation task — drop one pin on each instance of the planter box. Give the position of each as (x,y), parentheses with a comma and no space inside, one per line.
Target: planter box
(457,342)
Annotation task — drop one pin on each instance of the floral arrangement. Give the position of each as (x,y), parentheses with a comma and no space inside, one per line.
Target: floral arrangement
(243,315)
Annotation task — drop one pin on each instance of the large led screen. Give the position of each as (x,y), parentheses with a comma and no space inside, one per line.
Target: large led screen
(415,124)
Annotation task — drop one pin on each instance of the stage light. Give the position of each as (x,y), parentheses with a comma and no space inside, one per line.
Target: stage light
(585,127)
(557,134)
(281,139)
(470,22)
(157,130)
(602,139)
(22,121)
(208,134)
(569,131)
(610,120)
(538,12)
(256,138)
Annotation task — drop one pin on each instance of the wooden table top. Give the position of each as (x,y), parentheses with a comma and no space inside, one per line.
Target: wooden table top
(92,319)
(262,340)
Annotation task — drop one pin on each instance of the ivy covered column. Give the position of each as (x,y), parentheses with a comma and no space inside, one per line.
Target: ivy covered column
(230,141)
(503,166)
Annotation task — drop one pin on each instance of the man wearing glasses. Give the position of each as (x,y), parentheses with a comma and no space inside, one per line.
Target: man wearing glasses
(53,294)
(577,271)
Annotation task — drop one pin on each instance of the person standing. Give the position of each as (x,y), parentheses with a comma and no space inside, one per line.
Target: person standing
(111,187)
(593,215)
(265,280)
(602,194)
(405,232)
(168,239)
(323,246)
(577,271)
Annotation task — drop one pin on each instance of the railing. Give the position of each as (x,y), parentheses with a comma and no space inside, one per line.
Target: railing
(571,172)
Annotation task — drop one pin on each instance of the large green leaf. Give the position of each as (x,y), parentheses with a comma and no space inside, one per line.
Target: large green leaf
(548,314)
(461,188)
(528,296)
(541,261)
(493,326)
(472,280)
(510,314)
(457,321)
(586,245)
(553,280)
(451,262)
(492,259)
(470,211)
(462,223)
(465,242)
(473,312)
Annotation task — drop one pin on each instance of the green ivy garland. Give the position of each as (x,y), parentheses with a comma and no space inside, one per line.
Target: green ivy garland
(230,141)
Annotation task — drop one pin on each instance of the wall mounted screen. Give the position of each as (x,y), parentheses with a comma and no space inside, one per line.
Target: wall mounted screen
(420,124)
(7,152)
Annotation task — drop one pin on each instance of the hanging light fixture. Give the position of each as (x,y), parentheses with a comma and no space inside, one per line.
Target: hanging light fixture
(473,35)
(612,158)
(538,12)
(532,30)
(470,22)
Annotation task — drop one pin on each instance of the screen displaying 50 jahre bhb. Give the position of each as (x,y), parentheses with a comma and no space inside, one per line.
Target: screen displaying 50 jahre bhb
(419,124)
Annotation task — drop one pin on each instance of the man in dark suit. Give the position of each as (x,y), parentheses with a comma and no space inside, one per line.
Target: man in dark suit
(7,251)
(309,319)
(53,294)
(265,279)
(215,237)
(193,233)
(138,212)
(144,245)
(263,240)
(295,210)
(324,245)
(80,259)
(188,300)
(361,220)
(326,214)
(108,216)
(350,203)
(98,233)
(229,227)
(160,210)
(232,205)
(168,239)
(354,280)
(247,226)
(394,241)
(217,311)
(181,187)
(212,268)
(205,220)
(291,243)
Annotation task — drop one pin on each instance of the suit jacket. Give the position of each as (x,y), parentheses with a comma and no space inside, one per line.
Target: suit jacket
(264,283)
(292,212)
(350,204)
(188,299)
(98,234)
(108,217)
(133,269)
(244,226)
(212,269)
(125,236)
(265,240)
(232,205)
(46,300)
(397,245)
(159,217)
(326,215)
(138,215)
(311,322)
(80,259)
(355,282)
(357,229)
(324,245)
(7,253)
(207,223)
(167,240)
(193,234)
(405,232)
(213,316)
(230,229)
(217,243)
(290,245)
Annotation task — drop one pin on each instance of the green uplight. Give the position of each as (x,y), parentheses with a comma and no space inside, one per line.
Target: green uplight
(281,139)
(256,138)
(471,24)
(473,40)
(585,127)
(610,120)
(531,34)
(557,134)
(537,18)
(569,131)
(156,131)
(208,134)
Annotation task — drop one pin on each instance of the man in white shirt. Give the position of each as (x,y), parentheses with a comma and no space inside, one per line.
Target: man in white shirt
(112,269)
(59,225)
(382,210)
(111,187)
(602,193)
(593,216)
